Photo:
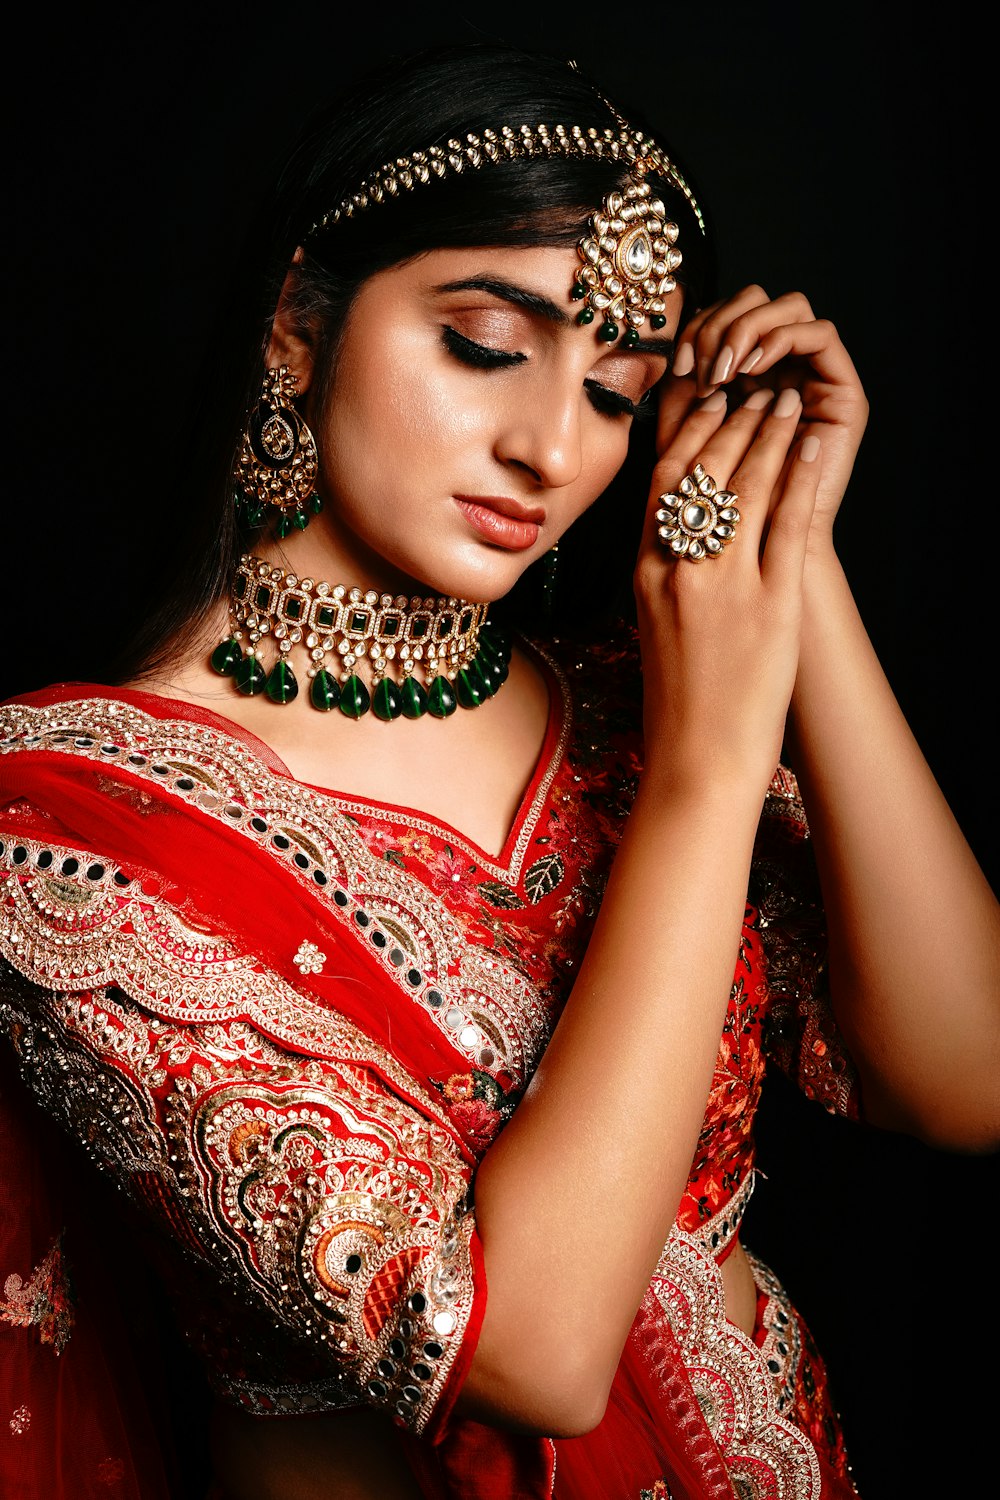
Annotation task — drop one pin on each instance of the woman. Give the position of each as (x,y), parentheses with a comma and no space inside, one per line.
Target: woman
(372,1020)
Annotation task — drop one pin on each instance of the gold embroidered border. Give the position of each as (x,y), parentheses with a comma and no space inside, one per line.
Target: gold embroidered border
(306,1182)
(488,1010)
(735,1389)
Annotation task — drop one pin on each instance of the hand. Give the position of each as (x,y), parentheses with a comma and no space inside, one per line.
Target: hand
(720,637)
(747,342)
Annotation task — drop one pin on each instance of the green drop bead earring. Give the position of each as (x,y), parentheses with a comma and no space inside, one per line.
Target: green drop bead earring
(278,461)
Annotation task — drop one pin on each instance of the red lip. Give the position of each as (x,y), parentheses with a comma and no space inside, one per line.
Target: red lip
(505,505)
(502,521)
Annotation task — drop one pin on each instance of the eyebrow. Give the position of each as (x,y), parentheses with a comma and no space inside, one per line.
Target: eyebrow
(542,307)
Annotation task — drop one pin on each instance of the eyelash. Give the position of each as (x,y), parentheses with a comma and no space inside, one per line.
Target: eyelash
(609,403)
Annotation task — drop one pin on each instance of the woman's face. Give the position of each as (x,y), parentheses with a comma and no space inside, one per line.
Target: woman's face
(470,420)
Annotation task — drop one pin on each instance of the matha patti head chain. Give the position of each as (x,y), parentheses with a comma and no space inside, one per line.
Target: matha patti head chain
(426,655)
(629,255)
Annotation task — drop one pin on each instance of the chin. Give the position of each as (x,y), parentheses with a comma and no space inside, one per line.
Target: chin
(480,580)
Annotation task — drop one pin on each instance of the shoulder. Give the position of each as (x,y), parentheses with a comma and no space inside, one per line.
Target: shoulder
(603,678)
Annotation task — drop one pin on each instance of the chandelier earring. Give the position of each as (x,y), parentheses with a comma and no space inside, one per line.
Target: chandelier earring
(278,461)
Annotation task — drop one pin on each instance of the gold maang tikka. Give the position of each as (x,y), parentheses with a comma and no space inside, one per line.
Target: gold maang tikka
(630,254)
(628,261)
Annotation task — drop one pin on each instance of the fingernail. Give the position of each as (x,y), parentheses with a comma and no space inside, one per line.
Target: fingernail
(751,362)
(758,399)
(809,449)
(787,402)
(683,360)
(715,402)
(722,366)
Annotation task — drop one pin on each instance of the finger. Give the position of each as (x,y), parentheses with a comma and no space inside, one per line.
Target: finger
(758,476)
(712,347)
(697,422)
(718,456)
(784,553)
(677,399)
(728,341)
(815,339)
(720,450)
(686,354)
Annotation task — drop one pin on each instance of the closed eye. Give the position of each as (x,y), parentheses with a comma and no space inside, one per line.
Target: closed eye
(613,404)
(478,355)
(481,357)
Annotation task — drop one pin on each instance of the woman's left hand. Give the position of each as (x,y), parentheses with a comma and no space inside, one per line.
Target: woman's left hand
(749,341)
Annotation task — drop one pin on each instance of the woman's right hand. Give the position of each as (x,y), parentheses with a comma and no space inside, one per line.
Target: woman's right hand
(720,637)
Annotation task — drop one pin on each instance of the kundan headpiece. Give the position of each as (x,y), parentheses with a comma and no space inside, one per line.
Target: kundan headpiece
(628,257)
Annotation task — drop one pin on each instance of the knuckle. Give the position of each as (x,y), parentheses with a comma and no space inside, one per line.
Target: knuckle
(789,523)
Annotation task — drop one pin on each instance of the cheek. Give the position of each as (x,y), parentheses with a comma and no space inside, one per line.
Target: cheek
(399,403)
(604,454)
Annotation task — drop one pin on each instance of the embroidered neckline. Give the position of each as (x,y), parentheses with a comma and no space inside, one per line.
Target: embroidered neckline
(506,865)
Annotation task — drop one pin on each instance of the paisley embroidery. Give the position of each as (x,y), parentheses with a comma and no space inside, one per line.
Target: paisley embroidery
(44,1301)
(341,1207)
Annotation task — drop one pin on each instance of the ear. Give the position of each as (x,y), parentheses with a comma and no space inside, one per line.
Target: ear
(292,341)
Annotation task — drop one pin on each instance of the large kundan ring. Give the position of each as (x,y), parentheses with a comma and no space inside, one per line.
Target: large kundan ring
(700,519)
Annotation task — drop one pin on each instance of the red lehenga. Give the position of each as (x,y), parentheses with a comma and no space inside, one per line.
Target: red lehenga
(289,1023)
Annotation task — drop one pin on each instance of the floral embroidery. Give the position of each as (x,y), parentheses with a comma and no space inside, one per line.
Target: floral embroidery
(478,1106)
(44,1301)
(20,1421)
(658,1491)
(309,959)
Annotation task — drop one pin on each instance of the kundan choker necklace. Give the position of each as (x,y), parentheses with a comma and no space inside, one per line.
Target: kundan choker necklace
(426,655)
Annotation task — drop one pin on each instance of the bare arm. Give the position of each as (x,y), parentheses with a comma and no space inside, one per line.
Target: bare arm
(914,928)
(577,1196)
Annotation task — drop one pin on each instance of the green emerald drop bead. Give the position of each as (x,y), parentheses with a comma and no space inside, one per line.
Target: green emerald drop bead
(355,699)
(387,701)
(489,646)
(250,676)
(631,339)
(325,692)
(658,321)
(284,526)
(578,292)
(608,331)
(300,520)
(482,676)
(227,657)
(585,315)
(441,700)
(469,694)
(414,699)
(282,686)
(315,503)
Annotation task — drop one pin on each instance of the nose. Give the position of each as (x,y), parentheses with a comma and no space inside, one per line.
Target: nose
(541,433)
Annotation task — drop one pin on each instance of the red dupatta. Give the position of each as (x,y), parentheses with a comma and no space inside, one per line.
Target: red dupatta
(216,867)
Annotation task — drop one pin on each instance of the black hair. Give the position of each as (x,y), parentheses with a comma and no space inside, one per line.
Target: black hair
(415,103)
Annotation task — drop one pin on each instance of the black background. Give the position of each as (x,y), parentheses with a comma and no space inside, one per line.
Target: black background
(839,153)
